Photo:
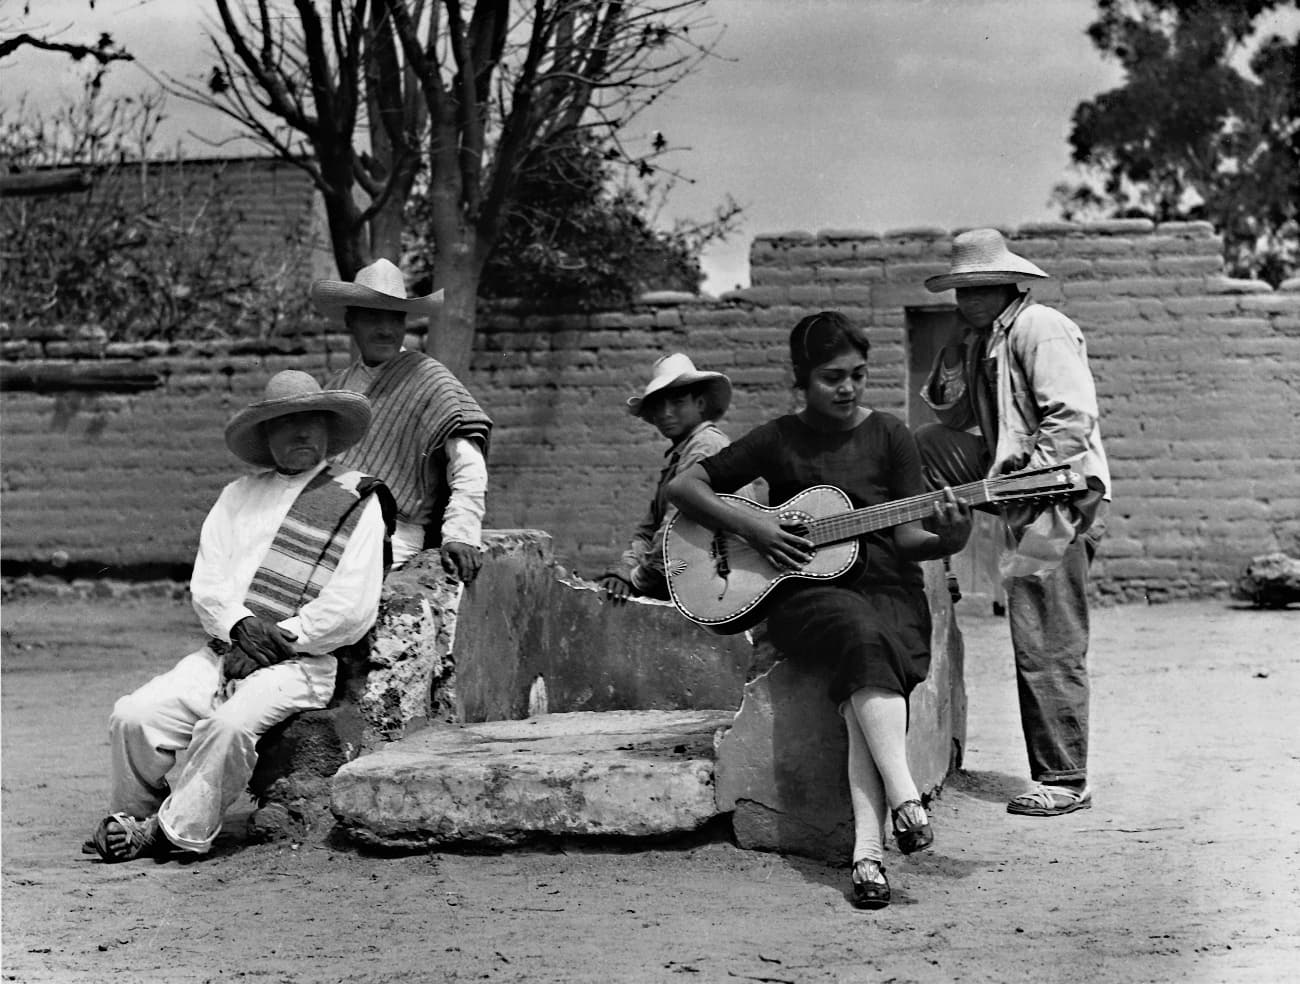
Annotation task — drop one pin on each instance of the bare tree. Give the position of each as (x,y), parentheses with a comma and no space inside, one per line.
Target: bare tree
(303,84)
(369,92)
(104,50)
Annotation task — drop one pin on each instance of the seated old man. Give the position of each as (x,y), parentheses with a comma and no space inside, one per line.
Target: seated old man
(289,569)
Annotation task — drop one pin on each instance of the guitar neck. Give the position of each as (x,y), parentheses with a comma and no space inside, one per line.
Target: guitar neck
(849,525)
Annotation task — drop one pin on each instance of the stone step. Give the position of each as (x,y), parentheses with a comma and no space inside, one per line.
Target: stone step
(621,773)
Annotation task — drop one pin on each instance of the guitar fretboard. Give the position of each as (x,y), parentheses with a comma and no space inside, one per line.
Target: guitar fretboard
(848,525)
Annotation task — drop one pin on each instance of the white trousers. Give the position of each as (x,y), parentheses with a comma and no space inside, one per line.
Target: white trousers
(178,720)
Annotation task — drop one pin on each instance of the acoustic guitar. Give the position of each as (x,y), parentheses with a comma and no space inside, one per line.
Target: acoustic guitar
(719,580)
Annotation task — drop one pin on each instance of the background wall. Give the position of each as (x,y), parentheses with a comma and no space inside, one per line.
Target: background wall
(113,454)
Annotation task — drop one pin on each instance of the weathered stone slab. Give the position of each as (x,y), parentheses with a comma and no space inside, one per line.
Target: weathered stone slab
(592,655)
(782,766)
(625,773)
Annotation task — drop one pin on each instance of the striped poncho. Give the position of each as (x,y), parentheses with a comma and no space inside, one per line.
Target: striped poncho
(307,547)
(417,405)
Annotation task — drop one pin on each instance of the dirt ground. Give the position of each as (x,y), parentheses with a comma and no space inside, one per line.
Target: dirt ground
(1187,869)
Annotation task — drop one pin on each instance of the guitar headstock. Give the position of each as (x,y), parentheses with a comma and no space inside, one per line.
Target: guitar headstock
(1050,482)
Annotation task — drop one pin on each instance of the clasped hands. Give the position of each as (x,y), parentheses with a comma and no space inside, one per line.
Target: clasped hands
(256,642)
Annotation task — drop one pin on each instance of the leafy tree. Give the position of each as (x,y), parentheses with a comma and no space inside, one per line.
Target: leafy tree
(144,249)
(1188,135)
(580,234)
(375,90)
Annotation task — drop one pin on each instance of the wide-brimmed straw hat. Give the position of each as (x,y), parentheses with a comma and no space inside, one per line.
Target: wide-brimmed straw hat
(291,391)
(380,285)
(980,258)
(677,370)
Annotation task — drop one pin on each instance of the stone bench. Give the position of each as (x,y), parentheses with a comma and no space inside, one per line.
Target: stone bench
(525,620)
(776,767)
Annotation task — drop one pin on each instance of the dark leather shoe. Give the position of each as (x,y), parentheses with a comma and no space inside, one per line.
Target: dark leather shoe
(912,827)
(870,886)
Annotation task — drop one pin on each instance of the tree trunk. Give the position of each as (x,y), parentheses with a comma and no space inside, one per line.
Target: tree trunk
(386,230)
(451,336)
(348,237)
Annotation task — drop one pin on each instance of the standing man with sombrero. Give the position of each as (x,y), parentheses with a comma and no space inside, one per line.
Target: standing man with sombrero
(429,438)
(683,403)
(289,569)
(1021,377)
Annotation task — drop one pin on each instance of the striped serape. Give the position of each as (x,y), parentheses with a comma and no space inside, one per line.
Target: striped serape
(307,547)
(417,405)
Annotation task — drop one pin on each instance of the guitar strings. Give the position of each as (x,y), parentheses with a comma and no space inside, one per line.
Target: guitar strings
(831,529)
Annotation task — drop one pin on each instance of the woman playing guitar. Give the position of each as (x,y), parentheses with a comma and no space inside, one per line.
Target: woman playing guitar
(868,630)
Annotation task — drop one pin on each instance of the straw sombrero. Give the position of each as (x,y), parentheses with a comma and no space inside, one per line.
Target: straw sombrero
(380,285)
(980,258)
(676,370)
(291,391)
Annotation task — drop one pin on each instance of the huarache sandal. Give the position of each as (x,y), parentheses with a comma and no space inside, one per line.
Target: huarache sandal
(870,886)
(142,837)
(912,827)
(1051,801)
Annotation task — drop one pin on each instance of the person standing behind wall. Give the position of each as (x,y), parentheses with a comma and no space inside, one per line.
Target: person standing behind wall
(429,437)
(1020,377)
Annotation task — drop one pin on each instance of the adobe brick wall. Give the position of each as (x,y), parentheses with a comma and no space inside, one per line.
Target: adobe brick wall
(1196,376)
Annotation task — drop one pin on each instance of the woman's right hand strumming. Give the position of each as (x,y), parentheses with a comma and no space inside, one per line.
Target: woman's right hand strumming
(778,541)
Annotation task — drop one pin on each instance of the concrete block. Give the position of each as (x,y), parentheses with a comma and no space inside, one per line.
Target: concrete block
(765,296)
(856,235)
(1232,285)
(839,276)
(1183,266)
(1123,267)
(1189,230)
(812,294)
(1119,227)
(917,232)
(1055,229)
(628,773)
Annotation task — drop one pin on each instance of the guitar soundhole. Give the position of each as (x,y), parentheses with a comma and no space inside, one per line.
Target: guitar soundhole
(796,522)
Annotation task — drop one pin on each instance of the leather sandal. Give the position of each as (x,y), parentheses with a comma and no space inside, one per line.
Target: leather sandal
(1046,800)
(870,886)
(912,827)
(143,837)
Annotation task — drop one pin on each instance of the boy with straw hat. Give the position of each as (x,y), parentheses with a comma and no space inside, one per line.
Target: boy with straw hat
(683,403)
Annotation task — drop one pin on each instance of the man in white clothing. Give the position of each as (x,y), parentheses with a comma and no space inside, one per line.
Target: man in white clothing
(429,438)
(289,569)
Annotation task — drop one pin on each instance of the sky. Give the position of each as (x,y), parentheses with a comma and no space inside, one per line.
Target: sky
(815,114)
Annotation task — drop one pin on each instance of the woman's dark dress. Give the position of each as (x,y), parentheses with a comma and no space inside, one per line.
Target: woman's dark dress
(871,627)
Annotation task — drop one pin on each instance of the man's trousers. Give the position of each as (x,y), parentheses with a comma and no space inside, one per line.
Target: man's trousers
(180,719)
(1048,618)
